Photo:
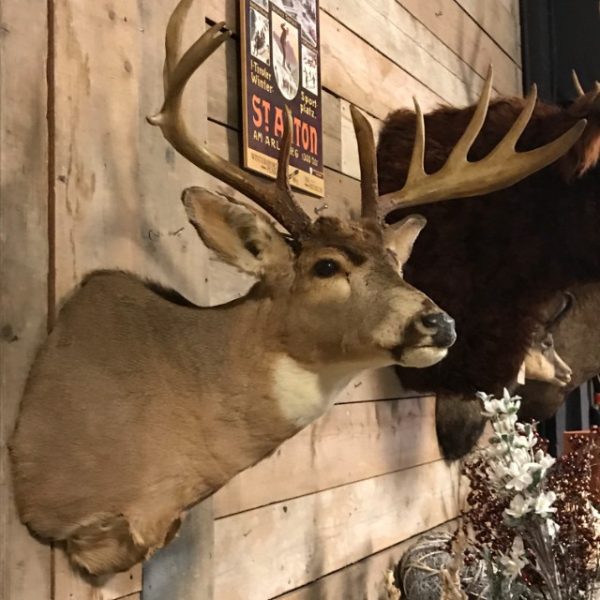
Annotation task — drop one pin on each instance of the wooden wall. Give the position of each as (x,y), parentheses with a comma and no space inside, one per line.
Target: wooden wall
(87,184)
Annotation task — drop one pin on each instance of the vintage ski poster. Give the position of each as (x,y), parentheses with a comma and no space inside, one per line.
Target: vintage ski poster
(280,66)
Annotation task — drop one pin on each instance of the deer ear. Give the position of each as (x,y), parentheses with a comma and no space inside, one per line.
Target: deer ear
(237,233)
(400,237)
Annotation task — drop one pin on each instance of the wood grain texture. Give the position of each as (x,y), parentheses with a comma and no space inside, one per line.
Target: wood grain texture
(395,33)
(119,182)
(463,36)
(264,552)
(24,562)
(349,443)
(365,579)
(500,22)
(183,570)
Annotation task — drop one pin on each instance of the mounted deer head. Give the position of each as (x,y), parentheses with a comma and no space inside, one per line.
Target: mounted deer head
(139,404)
(542,362)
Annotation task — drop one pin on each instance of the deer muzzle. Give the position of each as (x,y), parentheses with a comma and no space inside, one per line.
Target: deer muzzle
(440,326)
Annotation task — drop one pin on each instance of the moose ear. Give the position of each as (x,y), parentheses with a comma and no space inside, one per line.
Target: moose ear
(400,237)
(238,234)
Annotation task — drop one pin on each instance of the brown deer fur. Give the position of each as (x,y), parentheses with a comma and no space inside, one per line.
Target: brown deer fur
(492,262)
(140,404)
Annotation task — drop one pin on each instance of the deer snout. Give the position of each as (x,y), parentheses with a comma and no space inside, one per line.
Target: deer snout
(440,326)
(563,373)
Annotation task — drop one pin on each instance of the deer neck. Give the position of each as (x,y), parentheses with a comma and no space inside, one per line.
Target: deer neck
(303,392)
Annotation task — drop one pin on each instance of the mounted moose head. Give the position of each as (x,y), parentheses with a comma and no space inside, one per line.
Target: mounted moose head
(494,264)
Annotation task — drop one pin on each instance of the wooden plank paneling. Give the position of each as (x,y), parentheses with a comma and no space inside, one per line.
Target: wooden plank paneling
(349,443)
(264,552)
(457,30)
(119,182)
(394,32)
(364,579)
(24,562)
(499,22)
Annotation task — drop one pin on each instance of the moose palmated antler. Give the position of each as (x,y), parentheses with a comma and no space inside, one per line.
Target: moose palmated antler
(459,178)
(274,197)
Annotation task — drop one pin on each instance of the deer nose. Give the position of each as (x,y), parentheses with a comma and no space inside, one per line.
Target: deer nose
(444,333)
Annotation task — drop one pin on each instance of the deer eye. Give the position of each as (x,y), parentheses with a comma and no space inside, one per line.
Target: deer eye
(326,268)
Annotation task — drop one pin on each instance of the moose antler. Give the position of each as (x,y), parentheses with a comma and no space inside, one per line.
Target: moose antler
(276,197)
(459,178)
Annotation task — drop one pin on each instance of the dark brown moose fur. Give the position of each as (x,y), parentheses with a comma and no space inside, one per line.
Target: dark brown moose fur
(492,262)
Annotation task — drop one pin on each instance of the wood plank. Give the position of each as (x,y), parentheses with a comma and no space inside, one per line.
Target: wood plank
(457,30)
(71,586)
(365,579)
(183,570)
(392,30)
(270,550)
(119,181)
(499,22)
(349,443)
(24,562)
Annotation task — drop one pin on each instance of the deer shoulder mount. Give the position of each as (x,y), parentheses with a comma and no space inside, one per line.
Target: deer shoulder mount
(138,406)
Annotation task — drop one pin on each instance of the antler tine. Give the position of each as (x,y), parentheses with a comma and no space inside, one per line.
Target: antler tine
(283,180)
(577,83)
(461,149)
(416,169)
(501,168)
(276,198)
(367,159)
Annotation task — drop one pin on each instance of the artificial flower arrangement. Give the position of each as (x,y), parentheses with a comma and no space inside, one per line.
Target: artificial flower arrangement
(531,527)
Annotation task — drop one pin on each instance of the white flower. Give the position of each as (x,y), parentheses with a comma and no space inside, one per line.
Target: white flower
(525,439)
(543,504)
(515,561)
(544,460)
(492,407)
(519,506)
(520,476)
(552,527)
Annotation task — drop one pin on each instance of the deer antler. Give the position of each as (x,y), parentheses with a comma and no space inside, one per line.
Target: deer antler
(459,178)
(367,158)
(577,84)
(276,197)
